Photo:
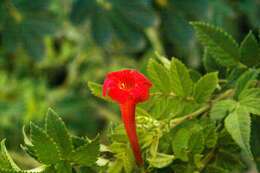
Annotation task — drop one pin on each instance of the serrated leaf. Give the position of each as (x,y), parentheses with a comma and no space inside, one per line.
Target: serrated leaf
(45,147)
(96,90)
(159,75)
(221,109)
(210,64)
(181,82)
(250,98)
(57,130)
(161,160)
(40,169)
(244,81)
(220,44)
(250,51)
(6,162)
(238,124)
(205,87)
(86,154)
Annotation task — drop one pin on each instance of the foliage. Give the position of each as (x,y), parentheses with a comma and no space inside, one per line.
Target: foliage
(198,125)
(53,147)
(49,49)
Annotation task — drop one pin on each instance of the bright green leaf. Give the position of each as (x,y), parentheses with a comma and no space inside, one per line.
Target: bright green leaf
(96,90)
(244,81)
(221,109)
(181,82)
(161,160)
(159,75)
(250,98)
(238,125)
(205,87)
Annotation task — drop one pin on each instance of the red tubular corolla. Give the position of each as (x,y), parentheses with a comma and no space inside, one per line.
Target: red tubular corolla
(128,87)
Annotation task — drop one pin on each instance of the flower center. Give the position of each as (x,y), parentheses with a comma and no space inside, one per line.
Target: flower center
(125,85)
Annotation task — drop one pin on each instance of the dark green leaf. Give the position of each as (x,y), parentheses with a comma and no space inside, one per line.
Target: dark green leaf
(249,49)
(86,154)
(57,130)
(81,9)
(219,44)
(101,27)
(45,147)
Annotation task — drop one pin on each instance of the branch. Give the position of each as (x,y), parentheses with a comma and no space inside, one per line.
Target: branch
(176,121)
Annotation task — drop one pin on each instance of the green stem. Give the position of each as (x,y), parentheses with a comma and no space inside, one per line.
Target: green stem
(207,159)
(175,122)
(153,37)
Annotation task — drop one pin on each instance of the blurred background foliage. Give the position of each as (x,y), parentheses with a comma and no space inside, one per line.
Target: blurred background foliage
(49,49)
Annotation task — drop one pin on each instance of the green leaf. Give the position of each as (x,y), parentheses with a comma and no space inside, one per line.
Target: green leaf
(129,35)
(244,81)
(197,141)
(81,9)
(238,125)
(181,82)
(221,109)
(6,162)
(128,160)
(161,160)
(116,167)
(210,64)
(63,167)
(180,144)
(87,154)
(96,90)
(101,27)
(220,44)
(194,75)
(205,87)
(45,148)
(33,44)
(250,50)
(136,12)
(57,130)
(159,75)
(250,98)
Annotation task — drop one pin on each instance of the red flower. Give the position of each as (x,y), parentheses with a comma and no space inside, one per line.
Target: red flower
(128,87)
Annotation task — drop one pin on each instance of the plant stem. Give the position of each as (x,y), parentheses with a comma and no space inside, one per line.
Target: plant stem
(207,159)
(176,121)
